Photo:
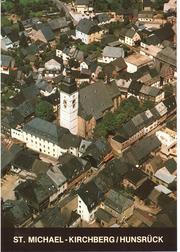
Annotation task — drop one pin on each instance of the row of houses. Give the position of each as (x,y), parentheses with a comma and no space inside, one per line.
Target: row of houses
(142,124)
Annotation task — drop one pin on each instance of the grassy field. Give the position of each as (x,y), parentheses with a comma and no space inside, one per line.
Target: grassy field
(25,2)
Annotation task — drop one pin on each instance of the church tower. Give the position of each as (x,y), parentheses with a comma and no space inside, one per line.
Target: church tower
(69,105)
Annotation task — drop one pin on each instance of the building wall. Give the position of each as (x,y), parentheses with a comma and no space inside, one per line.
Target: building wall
(87,39)
(83,211)
(38,144)
(131,68)
(69,111)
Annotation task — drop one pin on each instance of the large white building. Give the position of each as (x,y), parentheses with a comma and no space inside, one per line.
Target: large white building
(69,105)
(88,31)
(47,138)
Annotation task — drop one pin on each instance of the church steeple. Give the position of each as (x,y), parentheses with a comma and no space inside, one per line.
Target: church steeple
(69,104)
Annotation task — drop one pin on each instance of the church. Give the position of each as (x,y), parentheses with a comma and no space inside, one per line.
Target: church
(81,109)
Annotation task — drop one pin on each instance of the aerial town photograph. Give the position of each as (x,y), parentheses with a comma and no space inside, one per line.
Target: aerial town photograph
(88,114)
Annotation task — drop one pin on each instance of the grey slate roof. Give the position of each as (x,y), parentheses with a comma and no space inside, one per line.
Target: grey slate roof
(114,52)
(100,92)
(50,132)
(97,151)
(151,91)
(87,26)
(130,33)
(103,215)
(71,166)
(47,32)
(16,212)
(56,176)
(58,23)
(167,55)
(5,60)
(141,150)
(118,201)
(90,194)
(7,156)
(51,218)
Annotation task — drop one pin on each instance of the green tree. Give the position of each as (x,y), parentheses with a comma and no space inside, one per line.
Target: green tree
(73,63)
(168,90)
(44,110)
(159,4)
(23,40)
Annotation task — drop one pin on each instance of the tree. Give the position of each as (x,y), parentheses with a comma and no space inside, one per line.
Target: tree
(168,90)
(44,110)
(63,41)
(73,63)
(159,4)
(23,40)
(21,27)
(101,75)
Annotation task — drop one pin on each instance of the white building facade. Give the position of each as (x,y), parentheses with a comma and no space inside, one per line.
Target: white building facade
(69,100)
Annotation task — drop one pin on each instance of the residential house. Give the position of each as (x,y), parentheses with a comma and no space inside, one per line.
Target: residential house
(145,190)
(83,6)
(151,94)
(59,25)
(97,152)
(69,53)
(46,138)
(140,151)
(53,99)
(111,53)
(29,23)
(146,16)
(134,178)
(118,204)
(170,6)
(88,31)
(42,32)
(113,69)
(52,69)
(102,19)
(7,157)
(152,165)
(9,38)
(7,64)
(16,213)
(45,88)
(147,5)
(166,63)
(132,37)
(74,170)
(140,125)
(50,218)
(112,175)
(24,162)
(164,177)
(35,194)
(168,139)
(104,218)
(136,61)
(89,198)
(59,180)
(158,36)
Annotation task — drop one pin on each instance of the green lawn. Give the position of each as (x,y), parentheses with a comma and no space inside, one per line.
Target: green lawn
(25,2)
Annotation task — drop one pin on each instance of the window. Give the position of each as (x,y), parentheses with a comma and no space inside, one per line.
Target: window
(74,103)
(65,103)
